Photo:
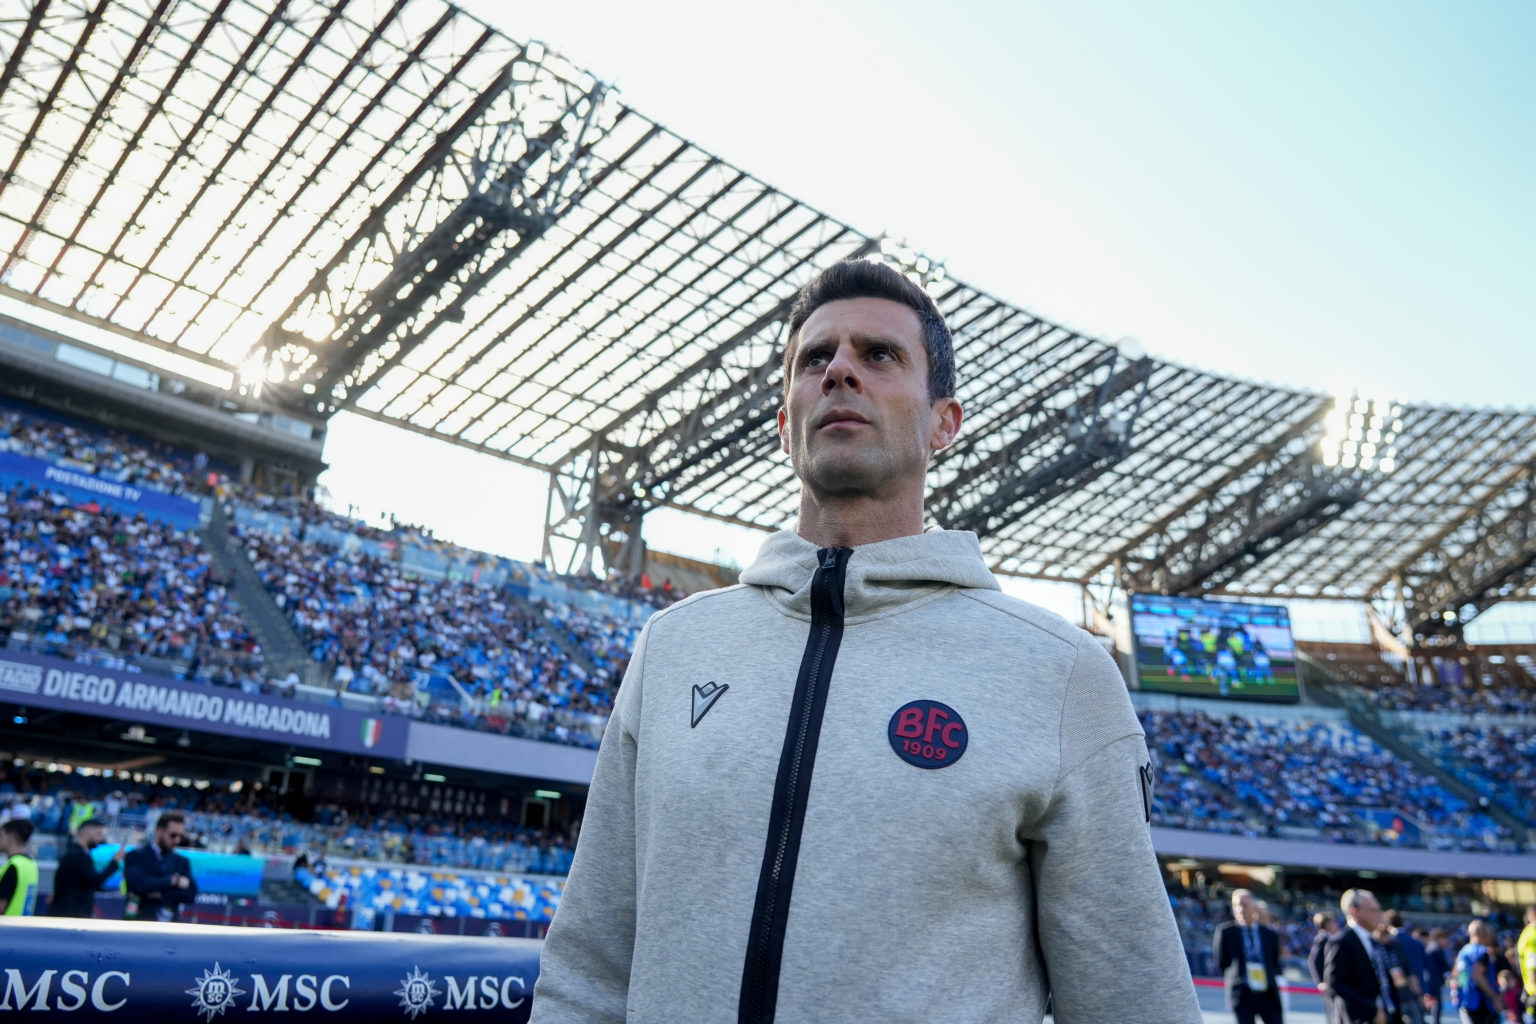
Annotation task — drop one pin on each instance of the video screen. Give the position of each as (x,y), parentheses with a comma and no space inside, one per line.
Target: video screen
(1202,648)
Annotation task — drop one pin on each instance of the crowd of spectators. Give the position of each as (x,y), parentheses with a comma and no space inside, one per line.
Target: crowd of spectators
(1507,700)
(1499,760)
(445,649)
(102,452)
(1312,775)
(93,583)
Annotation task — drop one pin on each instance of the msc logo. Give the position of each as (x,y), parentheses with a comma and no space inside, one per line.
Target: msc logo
(418,992)
(216,992)
(76,988)
(928,734)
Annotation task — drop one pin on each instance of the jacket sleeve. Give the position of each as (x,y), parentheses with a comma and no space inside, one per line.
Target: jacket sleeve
(1219,955)
(174,895)
(1111,946)
(584,967)
(1315,960)
(96,879)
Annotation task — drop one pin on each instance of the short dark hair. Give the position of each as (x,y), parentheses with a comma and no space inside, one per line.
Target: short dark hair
(864,279)
(170,818)
(1395,918)
(21,828)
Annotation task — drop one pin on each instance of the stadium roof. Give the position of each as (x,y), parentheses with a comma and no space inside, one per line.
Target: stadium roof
(387,206)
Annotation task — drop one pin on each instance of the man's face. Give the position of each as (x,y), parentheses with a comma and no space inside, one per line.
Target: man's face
(168,837)
(1367,912)
(1245,909)
(857,419)
(92,836)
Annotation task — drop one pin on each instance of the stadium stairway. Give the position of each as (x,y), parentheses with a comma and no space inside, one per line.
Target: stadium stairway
(1325,688)
(282,650)
(563,641)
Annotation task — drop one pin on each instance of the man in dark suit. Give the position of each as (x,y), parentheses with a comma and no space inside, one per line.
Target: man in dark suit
(160,879)
(77,878)
(1247,954)
(1351,969)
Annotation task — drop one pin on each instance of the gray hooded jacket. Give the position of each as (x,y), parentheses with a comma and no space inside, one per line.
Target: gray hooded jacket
(864,785)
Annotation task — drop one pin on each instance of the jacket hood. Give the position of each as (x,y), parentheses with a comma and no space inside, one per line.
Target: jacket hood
(882,578)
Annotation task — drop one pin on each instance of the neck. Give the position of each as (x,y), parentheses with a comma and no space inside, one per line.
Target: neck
(838,521)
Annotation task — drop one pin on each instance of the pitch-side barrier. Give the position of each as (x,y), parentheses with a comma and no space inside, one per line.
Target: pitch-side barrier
(167,973)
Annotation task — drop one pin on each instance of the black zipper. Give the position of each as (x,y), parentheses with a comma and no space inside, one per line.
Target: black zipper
(776,881)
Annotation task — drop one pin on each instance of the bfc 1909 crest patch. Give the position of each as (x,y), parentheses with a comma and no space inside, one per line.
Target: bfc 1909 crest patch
(928,734)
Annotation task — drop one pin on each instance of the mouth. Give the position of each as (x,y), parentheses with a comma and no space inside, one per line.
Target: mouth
(840,418)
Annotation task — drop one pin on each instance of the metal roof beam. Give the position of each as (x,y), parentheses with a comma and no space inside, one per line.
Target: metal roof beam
(183,149)
(71,65)
(1298,429)
(1498,562)
(93,124)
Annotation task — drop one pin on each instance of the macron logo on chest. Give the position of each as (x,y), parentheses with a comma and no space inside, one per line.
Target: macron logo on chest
(704,698)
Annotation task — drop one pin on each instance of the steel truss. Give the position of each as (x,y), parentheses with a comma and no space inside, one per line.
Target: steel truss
(387,207)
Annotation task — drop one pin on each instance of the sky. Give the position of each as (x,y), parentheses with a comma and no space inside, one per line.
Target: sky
(1330,196)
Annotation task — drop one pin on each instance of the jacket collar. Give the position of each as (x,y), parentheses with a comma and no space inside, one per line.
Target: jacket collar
(883,578)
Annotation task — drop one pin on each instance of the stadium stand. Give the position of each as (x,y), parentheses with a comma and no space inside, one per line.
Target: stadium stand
(378,890)
(1310,778)
(109,454)
(458,647)
(99,585)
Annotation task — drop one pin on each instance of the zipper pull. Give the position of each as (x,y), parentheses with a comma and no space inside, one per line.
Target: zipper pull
(828,558)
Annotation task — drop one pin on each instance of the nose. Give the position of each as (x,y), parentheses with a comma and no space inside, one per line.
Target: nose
(841,371)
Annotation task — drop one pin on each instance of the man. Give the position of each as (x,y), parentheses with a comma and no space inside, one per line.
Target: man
(1525,950)
(863,784)
(77,879)
(1247,955)
(1437,964)
(18,879)
(1408,982)
(1327,927)
(159,879)
(1353,968)
(1472,982)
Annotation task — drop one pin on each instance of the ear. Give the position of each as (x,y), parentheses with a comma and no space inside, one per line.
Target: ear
(946,423)
(783,430)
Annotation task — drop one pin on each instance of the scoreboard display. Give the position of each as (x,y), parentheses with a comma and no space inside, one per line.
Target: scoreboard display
(1202,648)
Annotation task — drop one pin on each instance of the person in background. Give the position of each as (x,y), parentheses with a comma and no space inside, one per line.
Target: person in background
(1525,951)
(1410,956)
(1509,994)
(77,879)
(1356,977)
(1247,955)
(1327,927)
(159,878)
(18,879)
(1472,987)
(1437,964)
